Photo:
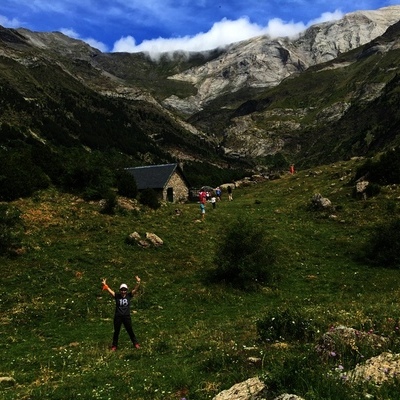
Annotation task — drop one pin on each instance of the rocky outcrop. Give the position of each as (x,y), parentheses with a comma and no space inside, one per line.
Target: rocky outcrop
(377,370)
(248,390)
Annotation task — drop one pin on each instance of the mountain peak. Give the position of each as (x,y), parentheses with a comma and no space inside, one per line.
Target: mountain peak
(265,62)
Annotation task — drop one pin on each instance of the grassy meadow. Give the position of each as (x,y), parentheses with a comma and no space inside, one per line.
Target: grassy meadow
(196,336)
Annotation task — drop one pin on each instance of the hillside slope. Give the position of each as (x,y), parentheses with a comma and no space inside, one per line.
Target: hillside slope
(196,336)
(52,93)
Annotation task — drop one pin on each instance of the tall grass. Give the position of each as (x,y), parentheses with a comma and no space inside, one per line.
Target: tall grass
(196,336)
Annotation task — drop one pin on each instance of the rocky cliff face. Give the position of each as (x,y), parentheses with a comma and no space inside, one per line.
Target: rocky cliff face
(265,62)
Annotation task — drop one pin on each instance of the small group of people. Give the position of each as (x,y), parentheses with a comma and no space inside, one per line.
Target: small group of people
(213,197)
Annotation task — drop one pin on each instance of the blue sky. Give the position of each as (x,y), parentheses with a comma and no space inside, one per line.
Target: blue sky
(167,25)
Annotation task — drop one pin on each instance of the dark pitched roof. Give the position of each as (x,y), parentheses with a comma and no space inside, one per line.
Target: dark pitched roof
(153,176)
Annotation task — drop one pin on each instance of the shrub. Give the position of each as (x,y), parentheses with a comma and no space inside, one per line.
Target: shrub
(245,258)
(49,161)
(88,176)
(277,162)
(383,248)
(373,189)
(203,173)
(11,229)
(110,203)
(287,374)
(149,198)
(384,171)
(126,184)
(285,325)
(19,176)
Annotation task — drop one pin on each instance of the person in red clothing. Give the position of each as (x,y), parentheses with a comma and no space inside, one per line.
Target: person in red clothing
(202,196)
(202,200)
(122,315)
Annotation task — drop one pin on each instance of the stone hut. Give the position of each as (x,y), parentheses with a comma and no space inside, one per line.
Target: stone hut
(167,180)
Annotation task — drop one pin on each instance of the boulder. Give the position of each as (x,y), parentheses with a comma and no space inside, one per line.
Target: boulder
(224,186)
(377,370)
(341,337)
(127,204)
(154,239)
(251,389)
(151,240)
(248,390)
(361,186)
(133,238)
(320,203)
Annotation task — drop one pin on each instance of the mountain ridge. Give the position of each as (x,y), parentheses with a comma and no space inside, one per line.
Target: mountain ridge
(227,106)
(276,59)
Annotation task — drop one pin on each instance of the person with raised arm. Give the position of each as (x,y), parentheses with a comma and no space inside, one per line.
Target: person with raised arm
(122,315)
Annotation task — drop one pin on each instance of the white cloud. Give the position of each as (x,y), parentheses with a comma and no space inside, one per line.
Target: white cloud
(90,41)
(70,32)
(9,23)
(126,44)
(96,44)
(221,34)
(278,28)
(327,16)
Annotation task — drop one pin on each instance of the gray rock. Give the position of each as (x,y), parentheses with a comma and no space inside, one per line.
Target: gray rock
(320,202)
(247,390)
(288,397)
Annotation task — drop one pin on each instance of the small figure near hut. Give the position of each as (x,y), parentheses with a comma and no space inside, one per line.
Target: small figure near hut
(218,193)
(202,196)
(230,198)
(202,199)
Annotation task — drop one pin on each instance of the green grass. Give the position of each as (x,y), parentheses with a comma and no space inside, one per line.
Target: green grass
(56,323)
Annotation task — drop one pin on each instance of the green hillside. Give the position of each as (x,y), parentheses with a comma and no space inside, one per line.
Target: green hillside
(196,334)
